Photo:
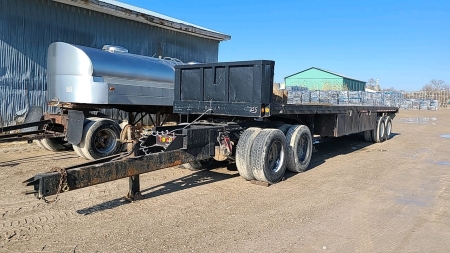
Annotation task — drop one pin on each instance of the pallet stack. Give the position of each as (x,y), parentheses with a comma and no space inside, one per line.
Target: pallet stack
(300,95)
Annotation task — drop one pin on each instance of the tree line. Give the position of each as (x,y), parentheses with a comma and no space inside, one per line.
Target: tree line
(436,85)
(433,85)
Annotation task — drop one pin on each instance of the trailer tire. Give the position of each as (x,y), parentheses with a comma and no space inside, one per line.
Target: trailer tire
(368,135)
(378,134)
(268,156)
(101,138)
(54,144)
(77,148)
(243,152)
(39,143)
(299,148)
(285,128)
(388,126)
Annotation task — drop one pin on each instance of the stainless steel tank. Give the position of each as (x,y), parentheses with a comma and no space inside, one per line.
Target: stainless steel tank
(77,74)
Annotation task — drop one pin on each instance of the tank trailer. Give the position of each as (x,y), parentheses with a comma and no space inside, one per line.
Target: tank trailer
(81,81)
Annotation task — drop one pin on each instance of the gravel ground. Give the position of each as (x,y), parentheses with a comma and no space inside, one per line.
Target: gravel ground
(357,197)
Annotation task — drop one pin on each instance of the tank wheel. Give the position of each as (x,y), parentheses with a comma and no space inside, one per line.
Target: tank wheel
(243,152)
(268,156)
(388,126)
(101,138)
(78,151)
(368,135)
(55,144)
(39,143)
(299,148)
(379,131)
(77,148)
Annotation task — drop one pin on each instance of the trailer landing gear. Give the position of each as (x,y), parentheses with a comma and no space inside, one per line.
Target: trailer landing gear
(134,193)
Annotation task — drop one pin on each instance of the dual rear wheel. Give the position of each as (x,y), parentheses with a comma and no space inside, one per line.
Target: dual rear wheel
(382,131)
(265,154)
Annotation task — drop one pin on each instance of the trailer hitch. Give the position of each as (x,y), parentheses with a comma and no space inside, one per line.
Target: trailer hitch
(106,170)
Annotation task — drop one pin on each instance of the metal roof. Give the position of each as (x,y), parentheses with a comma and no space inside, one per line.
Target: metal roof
(331,72)
(131,12)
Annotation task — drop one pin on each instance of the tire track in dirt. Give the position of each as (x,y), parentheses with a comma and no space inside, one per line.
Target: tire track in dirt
(18,217)
(395,233)
(21,222)
(74,205)
(27,217)
(153,186)
(35,221)
(326,199)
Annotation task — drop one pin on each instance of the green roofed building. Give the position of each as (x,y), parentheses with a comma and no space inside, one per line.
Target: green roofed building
(320,79)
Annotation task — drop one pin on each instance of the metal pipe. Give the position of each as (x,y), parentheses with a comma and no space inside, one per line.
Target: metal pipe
(25,125)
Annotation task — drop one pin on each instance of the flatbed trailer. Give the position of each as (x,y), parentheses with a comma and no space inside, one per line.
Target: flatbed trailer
(228,113)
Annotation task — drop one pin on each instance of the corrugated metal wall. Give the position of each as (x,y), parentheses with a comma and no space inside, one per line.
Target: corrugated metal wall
(28,27)
(355,85)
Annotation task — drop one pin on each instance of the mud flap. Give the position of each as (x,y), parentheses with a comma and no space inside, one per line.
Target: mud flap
(75,127)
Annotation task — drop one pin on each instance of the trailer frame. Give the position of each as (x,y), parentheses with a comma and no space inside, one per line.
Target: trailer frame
(212,129)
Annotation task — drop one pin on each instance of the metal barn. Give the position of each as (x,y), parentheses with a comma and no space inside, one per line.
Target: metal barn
(28,27)
(320,79)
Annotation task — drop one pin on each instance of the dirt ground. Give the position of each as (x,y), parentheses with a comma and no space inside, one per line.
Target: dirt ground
(357,197)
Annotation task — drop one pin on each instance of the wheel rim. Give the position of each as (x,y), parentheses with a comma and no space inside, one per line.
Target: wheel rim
(388,129)
(104,141)
(302,149)
(275,156)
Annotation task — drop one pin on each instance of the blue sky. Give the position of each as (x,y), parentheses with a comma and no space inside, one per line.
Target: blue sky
(404,44)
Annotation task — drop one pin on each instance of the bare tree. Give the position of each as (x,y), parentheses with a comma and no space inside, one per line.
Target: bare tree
(371,84)
(436,85)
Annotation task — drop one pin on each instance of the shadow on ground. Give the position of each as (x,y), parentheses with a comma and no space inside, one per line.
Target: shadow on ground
(327,148)
(194,180)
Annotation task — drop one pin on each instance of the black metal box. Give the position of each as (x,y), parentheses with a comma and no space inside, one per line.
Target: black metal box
(225,83)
